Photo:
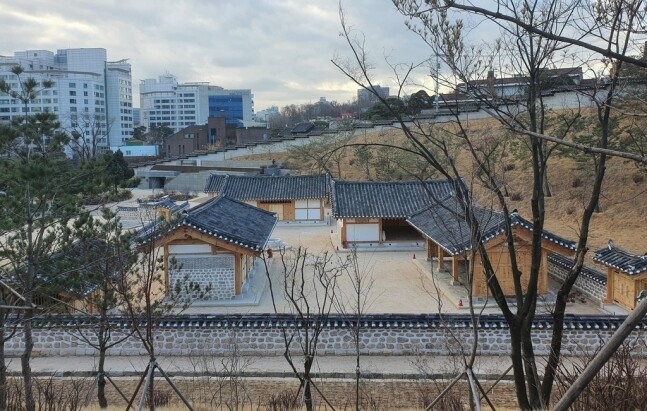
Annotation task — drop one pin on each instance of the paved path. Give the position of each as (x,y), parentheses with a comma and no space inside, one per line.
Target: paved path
(382,367)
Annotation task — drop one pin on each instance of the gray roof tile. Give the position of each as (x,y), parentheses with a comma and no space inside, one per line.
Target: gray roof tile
(445,224)
(393,199)
(226,219)
(269,188)
(622,260)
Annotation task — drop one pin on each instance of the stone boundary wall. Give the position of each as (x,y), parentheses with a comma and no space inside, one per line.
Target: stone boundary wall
(213,336)
(591,283)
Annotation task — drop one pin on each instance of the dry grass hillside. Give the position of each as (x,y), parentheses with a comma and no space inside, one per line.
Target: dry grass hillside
(623,216)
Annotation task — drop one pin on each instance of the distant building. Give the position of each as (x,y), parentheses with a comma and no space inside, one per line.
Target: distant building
(136,118)
(552,80)
(366,97)
(137,151)
(166,102)
(91,95)
(266,114)
(216,133)
(196,137)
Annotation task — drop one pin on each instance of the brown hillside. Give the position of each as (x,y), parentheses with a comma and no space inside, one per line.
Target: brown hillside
(623,216)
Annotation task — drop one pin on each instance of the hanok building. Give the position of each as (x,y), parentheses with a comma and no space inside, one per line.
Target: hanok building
(626,275)
(376,212)
(291,198)
(215,245)
(448,235)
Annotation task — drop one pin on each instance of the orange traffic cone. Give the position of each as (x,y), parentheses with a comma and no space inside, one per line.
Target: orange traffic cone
(414,256)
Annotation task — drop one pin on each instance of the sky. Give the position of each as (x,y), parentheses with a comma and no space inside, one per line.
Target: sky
(280,49)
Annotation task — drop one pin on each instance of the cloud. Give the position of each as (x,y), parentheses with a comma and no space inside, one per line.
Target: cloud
(279,49)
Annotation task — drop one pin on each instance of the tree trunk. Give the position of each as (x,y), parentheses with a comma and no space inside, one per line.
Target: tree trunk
(307,391)
(101,383)
(3,366)
(30,404)
(518,369)
(307,396)
(547,191)
(151,391)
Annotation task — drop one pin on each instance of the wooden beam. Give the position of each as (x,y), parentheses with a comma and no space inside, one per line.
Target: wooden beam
(188,233)
(441,259)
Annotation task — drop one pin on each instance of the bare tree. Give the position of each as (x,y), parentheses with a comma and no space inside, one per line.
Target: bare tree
(309,285)
(323,154)
(145,298)
(355,305)
(538,29)
(89,135)
(102,253)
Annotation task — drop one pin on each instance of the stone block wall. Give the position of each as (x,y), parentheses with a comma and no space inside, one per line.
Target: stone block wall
(216,272)
(266,340)
(591,283)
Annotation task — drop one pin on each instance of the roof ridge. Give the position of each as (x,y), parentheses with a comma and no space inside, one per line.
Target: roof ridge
(613,247)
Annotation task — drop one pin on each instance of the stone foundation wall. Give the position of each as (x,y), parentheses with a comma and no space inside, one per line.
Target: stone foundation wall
(268,340)
(207,271)
(591,283)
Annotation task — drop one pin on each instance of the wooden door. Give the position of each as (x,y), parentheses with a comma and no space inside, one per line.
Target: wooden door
(278,209)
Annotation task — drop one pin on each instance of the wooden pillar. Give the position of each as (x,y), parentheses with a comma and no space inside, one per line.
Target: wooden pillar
(441,259)
(543,277)
(455,273)
(610,286)
(238,284)
(167,278)
(429,245)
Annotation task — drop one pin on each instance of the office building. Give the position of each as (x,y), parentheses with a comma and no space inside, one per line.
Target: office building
(164,101)
(90,95)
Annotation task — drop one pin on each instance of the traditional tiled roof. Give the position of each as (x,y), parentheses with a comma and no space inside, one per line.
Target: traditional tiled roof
(215,183)
(225,219)
(302,128)
(623,261)
(394,199)
(566,263)
(270,188)
(445,224)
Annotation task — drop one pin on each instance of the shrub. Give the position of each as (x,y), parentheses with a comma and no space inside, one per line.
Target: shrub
(283,401)
(638,177)
(516,196)
(577,182)
(132,182)
(620,384)
(109,197)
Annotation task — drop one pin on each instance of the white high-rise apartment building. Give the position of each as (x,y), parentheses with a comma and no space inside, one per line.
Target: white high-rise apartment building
(164,101)
(90,95)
